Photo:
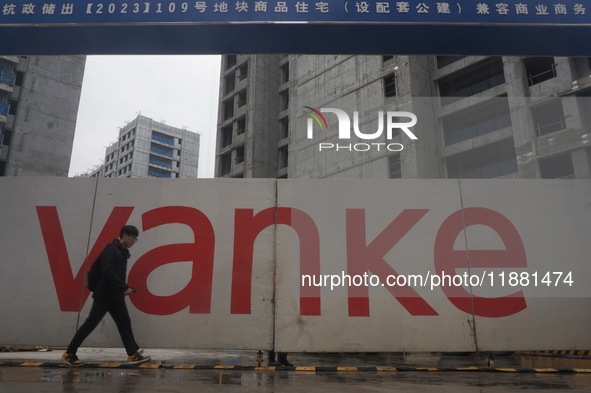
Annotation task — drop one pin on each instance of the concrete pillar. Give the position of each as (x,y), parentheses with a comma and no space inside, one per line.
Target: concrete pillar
(570,109)
(521,119)
(582,163)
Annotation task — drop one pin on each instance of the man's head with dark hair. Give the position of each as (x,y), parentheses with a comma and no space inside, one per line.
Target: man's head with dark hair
(128,236)
(129,230)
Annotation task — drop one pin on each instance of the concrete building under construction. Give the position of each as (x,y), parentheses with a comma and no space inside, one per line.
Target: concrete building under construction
(39,98)
(478,116)
(148,148)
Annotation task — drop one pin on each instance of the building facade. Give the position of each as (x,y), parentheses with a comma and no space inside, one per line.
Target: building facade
(478,116)
(39,98)
(147,148)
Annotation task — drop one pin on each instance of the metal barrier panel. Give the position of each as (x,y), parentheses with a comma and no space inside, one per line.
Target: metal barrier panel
(193,290)
(380,229)
(503,265)
(359,265)
(546,290)
(30,307)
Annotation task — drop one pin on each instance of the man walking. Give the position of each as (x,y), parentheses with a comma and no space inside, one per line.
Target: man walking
(109,297)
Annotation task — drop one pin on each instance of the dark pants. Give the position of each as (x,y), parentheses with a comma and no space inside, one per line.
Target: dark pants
(118,311)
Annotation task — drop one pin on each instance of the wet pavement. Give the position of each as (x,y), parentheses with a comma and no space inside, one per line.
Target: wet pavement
(19,379)
(398,372)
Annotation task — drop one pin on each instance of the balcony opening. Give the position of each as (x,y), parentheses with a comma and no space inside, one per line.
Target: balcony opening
(228,106)
(285,73)
(443,61)
(4,108)
(165,139)
(283,157)
(226,136)
(225,163)
(230,83)
(483,163)
(230,61)
(239,154)
(242,98)
(476,120)
(284,128)
(539,69)
(557,167)
(548,117)
(471,80)
(241,126)
(155,172)
(19,78)
(284,100)
(6,137)
(387,59)
(12,108)
(8,78)
(243,71)
(390,85)
(165,151)
(158,161)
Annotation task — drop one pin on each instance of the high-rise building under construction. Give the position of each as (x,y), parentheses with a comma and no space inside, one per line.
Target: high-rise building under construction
(39,98)
(477,116)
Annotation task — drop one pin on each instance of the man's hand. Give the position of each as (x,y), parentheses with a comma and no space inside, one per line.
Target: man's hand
(129,291)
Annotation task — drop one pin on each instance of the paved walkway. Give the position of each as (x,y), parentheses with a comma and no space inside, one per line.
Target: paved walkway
(249,360)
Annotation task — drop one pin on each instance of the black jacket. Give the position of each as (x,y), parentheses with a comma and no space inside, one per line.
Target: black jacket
(113,266)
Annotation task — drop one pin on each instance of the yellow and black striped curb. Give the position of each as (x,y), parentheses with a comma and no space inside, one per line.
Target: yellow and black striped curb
(310,369)
(573,353)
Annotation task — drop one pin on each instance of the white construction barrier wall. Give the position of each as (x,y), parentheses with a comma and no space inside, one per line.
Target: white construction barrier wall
(305,265)
(182,265)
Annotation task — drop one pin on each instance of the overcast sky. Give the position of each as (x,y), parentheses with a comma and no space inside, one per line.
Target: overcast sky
(181,90)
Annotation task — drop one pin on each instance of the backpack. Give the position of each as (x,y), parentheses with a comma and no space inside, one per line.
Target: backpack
(94,275)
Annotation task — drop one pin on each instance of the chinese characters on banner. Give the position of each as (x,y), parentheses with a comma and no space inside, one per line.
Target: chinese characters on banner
(493,11)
